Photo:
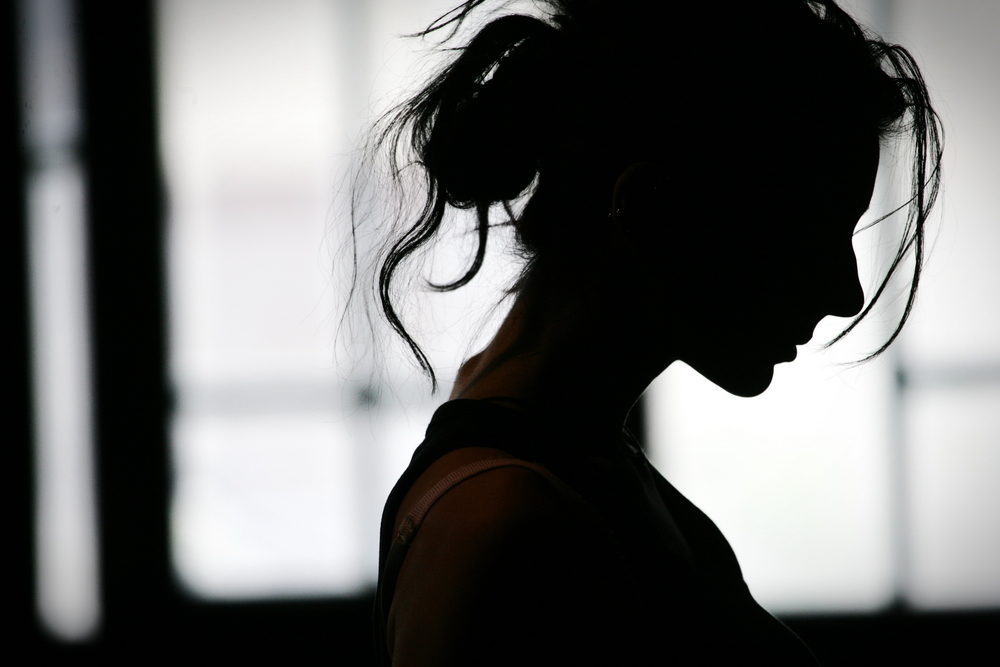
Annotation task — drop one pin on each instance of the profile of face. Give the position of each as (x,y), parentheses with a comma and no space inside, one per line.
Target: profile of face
(745,261)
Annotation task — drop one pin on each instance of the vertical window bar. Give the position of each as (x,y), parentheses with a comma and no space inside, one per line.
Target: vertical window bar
(66,546)
(125,269)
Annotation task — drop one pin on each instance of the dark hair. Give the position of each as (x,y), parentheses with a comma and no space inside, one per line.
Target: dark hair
(546,111)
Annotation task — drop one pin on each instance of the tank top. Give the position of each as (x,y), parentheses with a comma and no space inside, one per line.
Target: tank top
(679,596)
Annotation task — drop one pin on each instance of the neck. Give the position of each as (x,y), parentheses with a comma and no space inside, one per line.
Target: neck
(586,364)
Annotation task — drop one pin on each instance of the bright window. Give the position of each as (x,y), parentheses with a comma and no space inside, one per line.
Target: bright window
(853,489)
(839,489)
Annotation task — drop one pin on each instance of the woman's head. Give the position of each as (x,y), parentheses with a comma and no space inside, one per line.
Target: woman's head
(736,145)
(752,269)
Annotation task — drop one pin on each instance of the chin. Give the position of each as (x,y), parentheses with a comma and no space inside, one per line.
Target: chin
(742,380)
(747,387)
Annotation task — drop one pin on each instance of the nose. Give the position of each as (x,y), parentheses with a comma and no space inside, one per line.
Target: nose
(850,302)
(846,297)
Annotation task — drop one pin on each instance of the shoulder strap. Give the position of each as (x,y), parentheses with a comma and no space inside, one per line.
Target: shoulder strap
(413,519)
(408,526)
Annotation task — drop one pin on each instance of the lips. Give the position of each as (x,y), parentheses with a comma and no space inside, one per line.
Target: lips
(805,334)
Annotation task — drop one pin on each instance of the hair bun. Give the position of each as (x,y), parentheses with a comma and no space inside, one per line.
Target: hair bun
(484,146)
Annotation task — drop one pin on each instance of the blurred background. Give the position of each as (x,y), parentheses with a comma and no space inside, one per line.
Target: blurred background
(199,468)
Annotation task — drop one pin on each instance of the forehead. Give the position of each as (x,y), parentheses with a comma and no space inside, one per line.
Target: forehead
(837,164)
(843,166)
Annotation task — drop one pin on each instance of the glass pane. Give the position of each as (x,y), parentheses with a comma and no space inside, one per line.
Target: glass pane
(250,137)
(955,464)
(266,505)
(956,321)
(265,499)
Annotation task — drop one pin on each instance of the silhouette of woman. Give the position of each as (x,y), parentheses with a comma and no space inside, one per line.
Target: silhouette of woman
(684,181)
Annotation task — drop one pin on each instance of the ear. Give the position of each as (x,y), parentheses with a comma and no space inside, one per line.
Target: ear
(638,186)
